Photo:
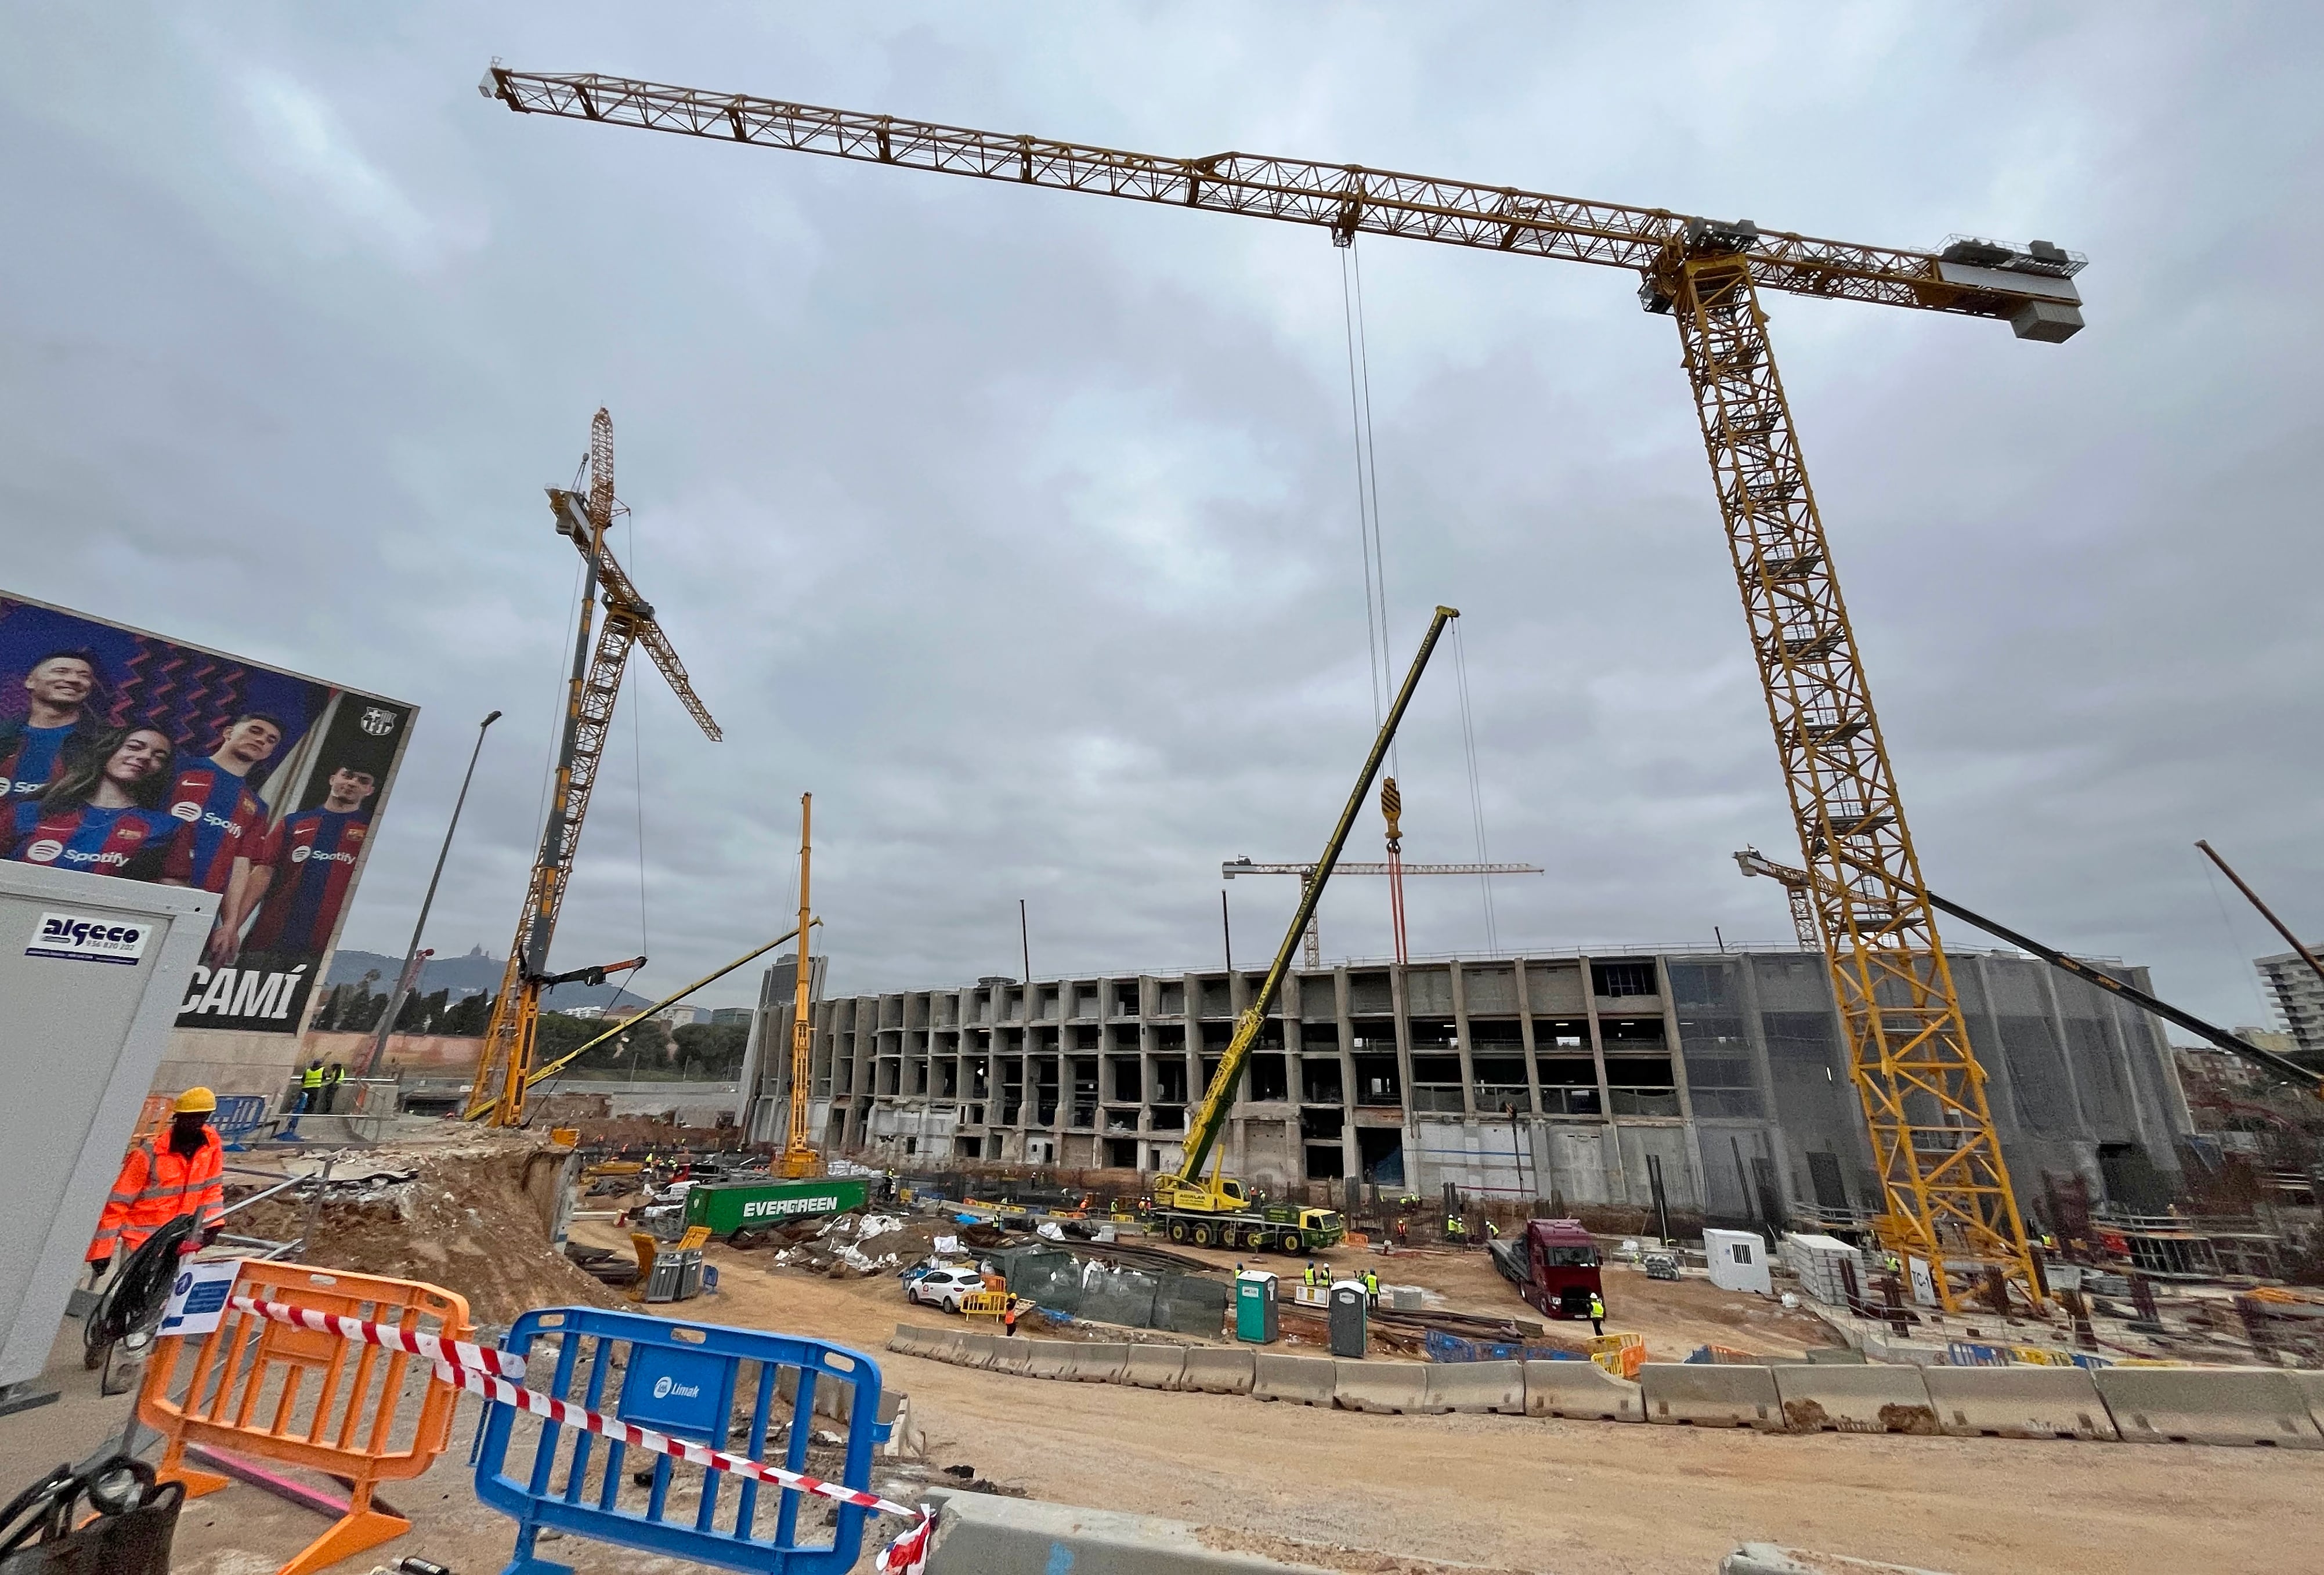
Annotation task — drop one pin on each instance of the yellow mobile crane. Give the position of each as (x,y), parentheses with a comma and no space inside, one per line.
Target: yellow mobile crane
(505,1069)
(1218,1212)
(1948,1191)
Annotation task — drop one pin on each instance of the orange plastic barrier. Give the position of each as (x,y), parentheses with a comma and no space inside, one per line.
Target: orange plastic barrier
(292,1396)
(1621,1355)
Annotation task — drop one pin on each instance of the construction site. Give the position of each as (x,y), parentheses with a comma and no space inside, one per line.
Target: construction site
(1765,1257)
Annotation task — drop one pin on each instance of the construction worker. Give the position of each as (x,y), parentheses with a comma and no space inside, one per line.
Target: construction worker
(333,1075)
(311,1087)
(1008,1317)
(1310,1275)
(1402,1234)
(1371,1288)
(1492,1231)
(178,1170)
(1455,1232)
(1597,1313)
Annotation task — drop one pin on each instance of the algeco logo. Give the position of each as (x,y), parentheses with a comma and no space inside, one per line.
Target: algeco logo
(186,809)
(88,940)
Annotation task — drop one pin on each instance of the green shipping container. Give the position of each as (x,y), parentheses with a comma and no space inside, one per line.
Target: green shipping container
(730,1206)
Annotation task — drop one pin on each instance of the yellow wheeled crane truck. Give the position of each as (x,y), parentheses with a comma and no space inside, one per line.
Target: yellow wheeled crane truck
(1218,1212)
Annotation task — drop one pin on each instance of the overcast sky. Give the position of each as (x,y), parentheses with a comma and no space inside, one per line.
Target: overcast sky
(1021,526)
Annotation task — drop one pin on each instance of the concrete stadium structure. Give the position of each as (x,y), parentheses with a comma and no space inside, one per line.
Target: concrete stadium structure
(1570,1079)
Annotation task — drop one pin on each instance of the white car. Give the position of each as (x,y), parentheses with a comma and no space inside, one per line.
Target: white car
(944,1287)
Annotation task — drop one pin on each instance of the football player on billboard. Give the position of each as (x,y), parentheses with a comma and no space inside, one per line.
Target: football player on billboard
(56,723)
(105,814)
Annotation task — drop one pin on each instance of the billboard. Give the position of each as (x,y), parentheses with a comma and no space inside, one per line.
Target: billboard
(126,754)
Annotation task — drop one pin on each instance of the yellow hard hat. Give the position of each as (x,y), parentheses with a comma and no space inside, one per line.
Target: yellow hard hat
(195,1099)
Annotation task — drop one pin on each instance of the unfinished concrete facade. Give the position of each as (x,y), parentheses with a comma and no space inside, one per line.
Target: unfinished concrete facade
(1568,1078)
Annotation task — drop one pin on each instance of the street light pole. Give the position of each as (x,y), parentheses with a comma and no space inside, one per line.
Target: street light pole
(405,980)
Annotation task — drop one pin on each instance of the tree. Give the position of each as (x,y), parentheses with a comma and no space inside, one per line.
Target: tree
(711,1052)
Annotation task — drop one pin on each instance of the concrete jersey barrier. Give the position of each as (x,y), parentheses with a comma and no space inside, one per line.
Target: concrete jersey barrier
(1100,1363)
(2212,1405)
(1153,1366)
(2018,1402)
(1580,1390)
(1820,1398)
(2309,1382)
(1303,1380)
(976,1350)
(1393,1388)
(1693,1395)
(1494,1387)
(1012,1353)
(1213,1371)
(1048,1358)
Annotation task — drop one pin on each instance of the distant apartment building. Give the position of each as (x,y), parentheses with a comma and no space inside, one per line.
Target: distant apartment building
(1567,1079)
(730,1017)
(2299,997)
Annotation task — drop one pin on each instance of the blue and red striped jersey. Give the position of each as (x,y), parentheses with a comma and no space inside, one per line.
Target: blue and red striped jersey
(224,821)
(128,841)
(313,855)
(30,759)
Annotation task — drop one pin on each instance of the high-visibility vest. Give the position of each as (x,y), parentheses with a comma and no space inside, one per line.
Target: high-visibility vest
(1372,1283)
(333,1073)
(155,1187)
(311,1078)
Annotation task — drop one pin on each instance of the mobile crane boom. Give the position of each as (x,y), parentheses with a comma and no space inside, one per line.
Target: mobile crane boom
(1186,1189)
(1753,863)
(1941,1173)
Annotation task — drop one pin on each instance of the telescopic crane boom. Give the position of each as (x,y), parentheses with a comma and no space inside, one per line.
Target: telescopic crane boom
(1948,1191)
(1186,1189)
(504,1068)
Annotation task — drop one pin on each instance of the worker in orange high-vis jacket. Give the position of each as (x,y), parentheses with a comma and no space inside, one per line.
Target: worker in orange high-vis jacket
(178,1170)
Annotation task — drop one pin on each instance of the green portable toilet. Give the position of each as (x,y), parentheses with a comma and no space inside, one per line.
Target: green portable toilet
(1256,1319)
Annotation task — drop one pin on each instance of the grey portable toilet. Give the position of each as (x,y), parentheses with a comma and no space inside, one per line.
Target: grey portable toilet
(1350,1333)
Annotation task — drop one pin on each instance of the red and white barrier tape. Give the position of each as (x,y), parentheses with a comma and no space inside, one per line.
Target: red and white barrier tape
(474,1368)
(454,1353)
(904,1554)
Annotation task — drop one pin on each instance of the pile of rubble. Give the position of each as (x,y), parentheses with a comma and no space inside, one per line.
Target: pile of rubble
(851,1246)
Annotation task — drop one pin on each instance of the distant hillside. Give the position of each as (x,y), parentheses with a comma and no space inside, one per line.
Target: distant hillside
(473,974)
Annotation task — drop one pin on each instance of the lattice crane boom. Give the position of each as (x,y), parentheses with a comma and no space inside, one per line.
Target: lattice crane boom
(1946,1191)
(504,1067)
(1396,871)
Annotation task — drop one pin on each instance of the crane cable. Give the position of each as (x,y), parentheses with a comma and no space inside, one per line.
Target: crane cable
(1476,786)
(1367,458)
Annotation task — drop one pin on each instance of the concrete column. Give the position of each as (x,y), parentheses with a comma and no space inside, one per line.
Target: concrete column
(1525,1037)
(1460,984)
(1678,1082)
(1755,1033)
(1997,1076)
(2065,1047)
(1618,1185)
(1351,1161)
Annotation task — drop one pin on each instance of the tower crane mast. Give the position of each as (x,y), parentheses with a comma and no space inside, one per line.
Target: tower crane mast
(1946,1190)
(504,1068)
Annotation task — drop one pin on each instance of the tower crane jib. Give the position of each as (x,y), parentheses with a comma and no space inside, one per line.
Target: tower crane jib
(1946,1191)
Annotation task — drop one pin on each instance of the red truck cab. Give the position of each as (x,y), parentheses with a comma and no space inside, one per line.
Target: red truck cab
(1561,1262)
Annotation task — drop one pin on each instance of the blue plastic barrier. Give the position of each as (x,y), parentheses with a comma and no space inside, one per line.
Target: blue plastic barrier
(1441,1347)
(688,1381)
(1970,1353)
(238,1116)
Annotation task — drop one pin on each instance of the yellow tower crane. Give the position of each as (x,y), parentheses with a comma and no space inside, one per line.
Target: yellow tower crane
(1948,1195)
(504,1068)
(1313,951)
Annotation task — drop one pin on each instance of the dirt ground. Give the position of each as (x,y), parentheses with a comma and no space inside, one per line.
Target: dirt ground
(1521,1494)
